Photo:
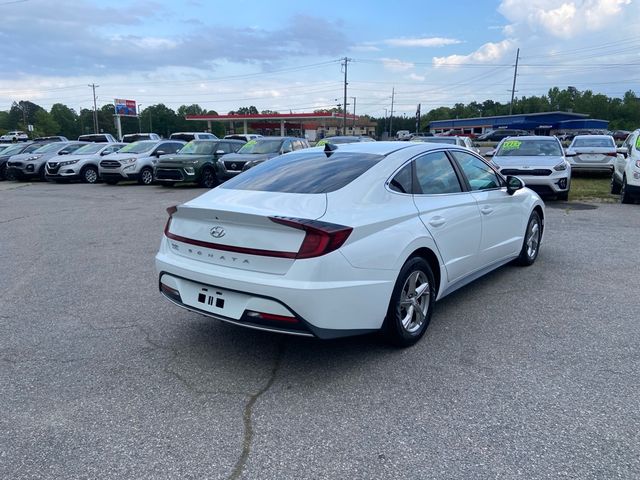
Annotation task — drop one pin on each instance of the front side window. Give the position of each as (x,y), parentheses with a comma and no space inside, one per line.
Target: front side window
(480,175)
(435,175)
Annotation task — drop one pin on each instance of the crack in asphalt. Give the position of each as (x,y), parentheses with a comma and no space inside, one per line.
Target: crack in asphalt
(248,413)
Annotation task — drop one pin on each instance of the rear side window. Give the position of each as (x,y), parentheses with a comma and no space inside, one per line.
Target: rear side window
(304,173)
(403,180)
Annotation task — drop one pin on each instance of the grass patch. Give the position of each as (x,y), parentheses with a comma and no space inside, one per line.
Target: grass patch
(592,188)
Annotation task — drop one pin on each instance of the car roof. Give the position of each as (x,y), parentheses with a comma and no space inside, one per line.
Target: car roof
(536,137)
(593,136)
(385,148)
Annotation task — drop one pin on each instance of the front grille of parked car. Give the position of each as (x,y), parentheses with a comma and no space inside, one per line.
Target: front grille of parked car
(231,165)
(162,174)
(110,164)
(53,167)
(15,164)
(535,172)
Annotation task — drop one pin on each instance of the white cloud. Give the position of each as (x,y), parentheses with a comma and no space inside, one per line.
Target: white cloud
(417,78)
(422,42)
(396,65)
(487,53)
(565,20)
(365,47)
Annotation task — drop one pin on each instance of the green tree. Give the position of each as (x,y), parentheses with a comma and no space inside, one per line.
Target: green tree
(44,124)
(66,119)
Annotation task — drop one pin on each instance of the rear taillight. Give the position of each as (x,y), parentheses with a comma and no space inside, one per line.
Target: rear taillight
(170,211)
(320,237)
(271,317)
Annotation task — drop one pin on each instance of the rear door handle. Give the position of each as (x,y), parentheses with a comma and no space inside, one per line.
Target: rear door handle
(437,221)
(486,210)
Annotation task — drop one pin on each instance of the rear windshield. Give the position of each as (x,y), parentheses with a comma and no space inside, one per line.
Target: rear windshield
(593,142)
(304,172)
(187,137)
(529,148)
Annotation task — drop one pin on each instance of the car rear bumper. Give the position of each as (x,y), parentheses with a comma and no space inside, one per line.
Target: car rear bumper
(326,308)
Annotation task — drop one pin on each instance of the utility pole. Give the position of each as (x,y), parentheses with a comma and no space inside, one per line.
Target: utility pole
(95,108)
(384,130)
(139,119)
(393,94)
(354,112)
(513,88)
(345,62)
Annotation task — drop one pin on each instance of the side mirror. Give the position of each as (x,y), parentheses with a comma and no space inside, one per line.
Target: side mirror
(160,152)
(570,153)
(490,153)
(514,184)
(622,151)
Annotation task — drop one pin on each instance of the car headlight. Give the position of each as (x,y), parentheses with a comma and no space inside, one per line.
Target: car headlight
(561,166)
(130,160)
(69,162)
(35,157)
(189,170)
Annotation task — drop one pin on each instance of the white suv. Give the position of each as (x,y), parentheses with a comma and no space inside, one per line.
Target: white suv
(81,164)
(626,170)
(539,161)
(14,136)
(136,161)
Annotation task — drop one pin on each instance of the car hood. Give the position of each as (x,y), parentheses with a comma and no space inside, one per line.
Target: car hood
(248,157)
(183,159)
(73,157)
(530,161)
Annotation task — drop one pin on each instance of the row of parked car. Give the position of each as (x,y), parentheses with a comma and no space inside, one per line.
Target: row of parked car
(540,161)
(145,161)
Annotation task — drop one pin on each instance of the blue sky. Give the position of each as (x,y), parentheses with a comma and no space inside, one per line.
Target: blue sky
(285,55)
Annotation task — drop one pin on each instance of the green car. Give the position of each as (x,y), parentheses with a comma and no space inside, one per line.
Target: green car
(194,163)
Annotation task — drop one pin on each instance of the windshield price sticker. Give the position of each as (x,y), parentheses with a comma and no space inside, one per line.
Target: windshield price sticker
(638,143)
(250,143)
(511,145)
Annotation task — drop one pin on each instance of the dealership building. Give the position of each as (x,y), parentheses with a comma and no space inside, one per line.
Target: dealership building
(545,123)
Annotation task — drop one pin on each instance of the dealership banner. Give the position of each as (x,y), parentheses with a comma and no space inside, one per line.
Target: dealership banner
(126,108)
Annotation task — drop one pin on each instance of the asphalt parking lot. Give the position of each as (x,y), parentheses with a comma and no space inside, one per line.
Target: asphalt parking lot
(527,373)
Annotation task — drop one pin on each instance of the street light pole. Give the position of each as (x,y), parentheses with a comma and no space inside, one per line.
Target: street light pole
(139,119)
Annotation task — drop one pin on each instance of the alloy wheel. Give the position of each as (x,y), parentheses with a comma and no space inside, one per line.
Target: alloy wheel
(533,238)
(146,176)
(90,175)
(414,301)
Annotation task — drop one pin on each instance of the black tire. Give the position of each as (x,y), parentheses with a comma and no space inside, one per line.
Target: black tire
(89,174)
(3,172)
(624,192)
(111,182)
(531,241)
(208,178)
(404,326)
(615,186)
(42,175)
(10,174)
(146,176)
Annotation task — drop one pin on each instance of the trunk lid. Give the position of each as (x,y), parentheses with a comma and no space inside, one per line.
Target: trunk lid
(231,228)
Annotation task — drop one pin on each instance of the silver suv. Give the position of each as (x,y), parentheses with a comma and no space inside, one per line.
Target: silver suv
(136,161)
(32,165)
(81,164)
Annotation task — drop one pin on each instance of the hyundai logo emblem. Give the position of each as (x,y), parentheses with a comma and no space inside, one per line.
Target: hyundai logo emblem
(217,232)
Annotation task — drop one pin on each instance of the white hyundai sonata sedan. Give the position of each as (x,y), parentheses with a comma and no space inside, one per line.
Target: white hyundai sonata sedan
(347,240)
